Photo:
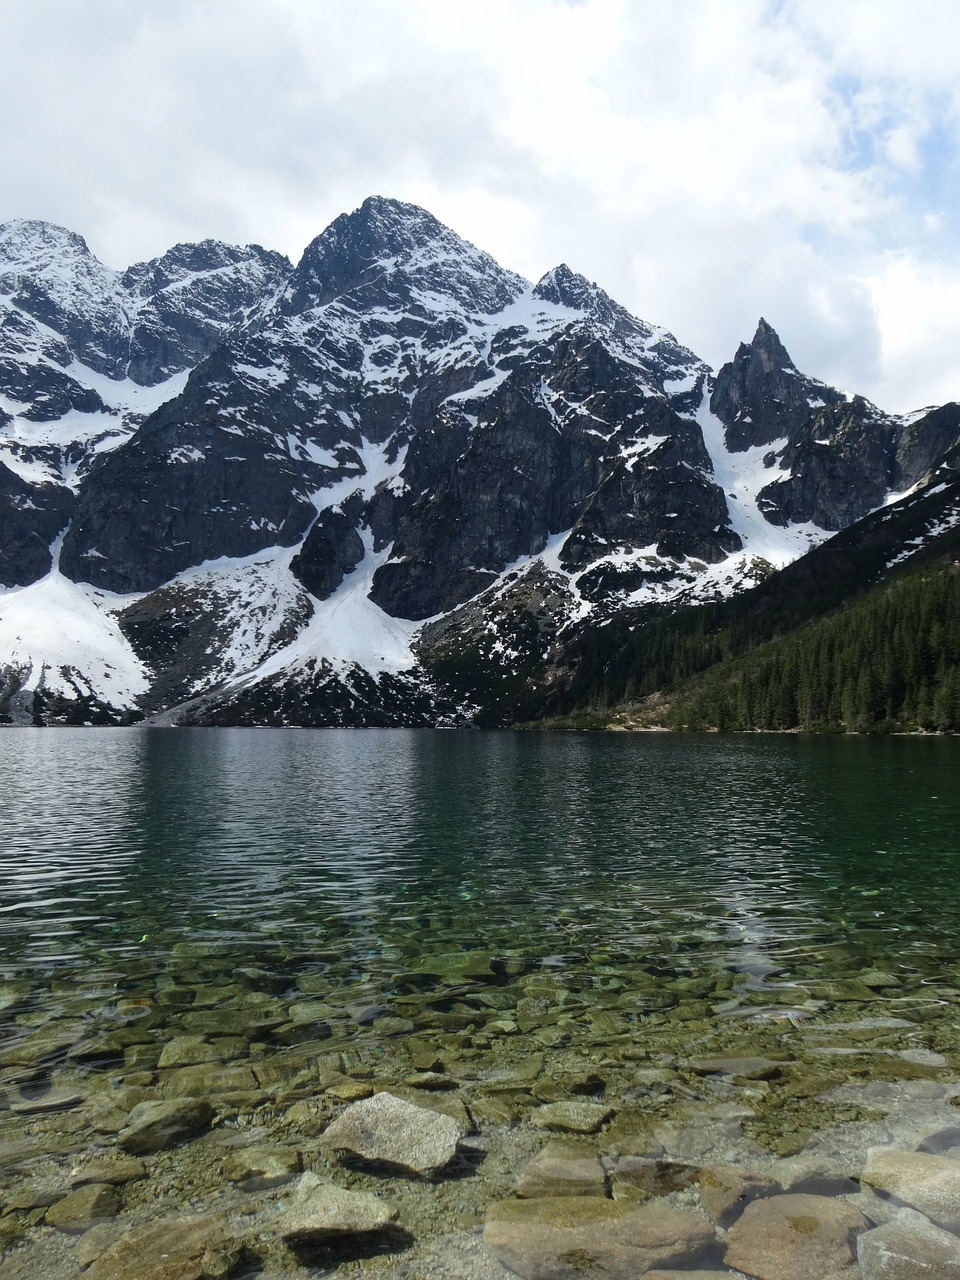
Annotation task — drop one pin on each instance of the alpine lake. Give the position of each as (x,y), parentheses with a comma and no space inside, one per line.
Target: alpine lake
(613,972)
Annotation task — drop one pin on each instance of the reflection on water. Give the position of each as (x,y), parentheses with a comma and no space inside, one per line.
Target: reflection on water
(753,852)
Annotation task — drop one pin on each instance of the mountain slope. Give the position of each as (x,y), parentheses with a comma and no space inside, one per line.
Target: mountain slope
(861,633)
(318,494)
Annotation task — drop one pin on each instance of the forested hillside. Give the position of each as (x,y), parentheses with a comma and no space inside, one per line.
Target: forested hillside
(855,637)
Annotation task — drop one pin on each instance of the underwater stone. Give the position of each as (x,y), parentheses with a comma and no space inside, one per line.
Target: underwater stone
(187,1051)
(909,1248)
(921,1181)
(84,1208)
(642,1176)
(386,1128)
(114,1168)
(318,1209)
(567,1237)
(54,1099)
(745,1068)
(795,1237)
(571,1117)
(155,1126)
(181,1247)
(208,1079)
(563,1168)
(261,1167)
(726,1191)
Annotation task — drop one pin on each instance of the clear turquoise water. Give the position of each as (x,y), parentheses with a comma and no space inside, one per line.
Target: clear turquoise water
(331,912)
(756,853)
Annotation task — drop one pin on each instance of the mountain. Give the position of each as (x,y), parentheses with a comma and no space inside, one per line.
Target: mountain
(861,634)
(395,484)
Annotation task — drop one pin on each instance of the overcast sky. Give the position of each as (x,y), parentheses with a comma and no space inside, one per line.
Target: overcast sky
(705,161)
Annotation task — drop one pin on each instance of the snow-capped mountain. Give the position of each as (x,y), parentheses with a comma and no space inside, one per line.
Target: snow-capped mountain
(232,491)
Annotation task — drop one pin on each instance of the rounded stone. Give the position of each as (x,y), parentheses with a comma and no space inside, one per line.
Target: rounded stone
(387,1129)
(795,1237)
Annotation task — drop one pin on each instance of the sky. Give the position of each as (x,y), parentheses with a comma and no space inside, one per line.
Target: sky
(706,162)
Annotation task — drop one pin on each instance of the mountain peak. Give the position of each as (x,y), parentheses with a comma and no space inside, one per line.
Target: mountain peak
(566,288)
(760,395)
(35,245)
(766,343)
(385,237)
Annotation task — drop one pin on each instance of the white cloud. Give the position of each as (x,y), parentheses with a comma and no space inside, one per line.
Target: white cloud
(706,163)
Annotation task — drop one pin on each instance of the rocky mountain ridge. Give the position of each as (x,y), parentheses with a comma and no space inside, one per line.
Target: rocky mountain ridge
(271,492)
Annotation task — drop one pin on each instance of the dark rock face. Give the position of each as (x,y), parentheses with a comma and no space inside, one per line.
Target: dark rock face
(154,319)
(31,516)
(190,298)
(841,466)
(923,443)
(176,495)
(760,396)
(331,549)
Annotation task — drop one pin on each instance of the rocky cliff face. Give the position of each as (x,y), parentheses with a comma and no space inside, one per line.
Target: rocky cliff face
(259,481)
(86,353)
(839,457)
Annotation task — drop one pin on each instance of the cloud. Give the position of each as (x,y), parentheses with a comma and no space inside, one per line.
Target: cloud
(706,163)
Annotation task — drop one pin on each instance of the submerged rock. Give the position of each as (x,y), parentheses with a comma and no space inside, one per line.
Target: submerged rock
(563,1168)
(181,1247)
(89,1205)
(57,1098)
(318,1209)
(261,1167)
(795,1237)
(385,1128)
(726,1191)
(567,1238)
(745,1068)
(909,1248)
(115,1168)
(154,1126)
(929,1183)
(571,1117)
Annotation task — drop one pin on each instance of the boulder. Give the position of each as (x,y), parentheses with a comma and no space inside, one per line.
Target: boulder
(929,1183)
(795,1237)
(566,1238)
(909,1248)
(389,1130)
(154,1126)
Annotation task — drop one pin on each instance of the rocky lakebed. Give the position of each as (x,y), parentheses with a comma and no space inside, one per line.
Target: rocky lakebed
(222,1109)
